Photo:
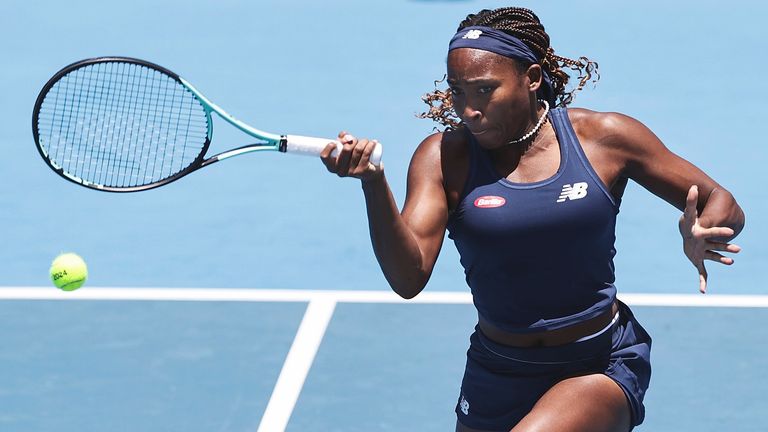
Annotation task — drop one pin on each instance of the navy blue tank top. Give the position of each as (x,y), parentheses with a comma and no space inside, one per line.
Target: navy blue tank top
(537,256)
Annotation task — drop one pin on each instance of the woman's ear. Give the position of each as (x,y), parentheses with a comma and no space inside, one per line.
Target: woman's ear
(533,77)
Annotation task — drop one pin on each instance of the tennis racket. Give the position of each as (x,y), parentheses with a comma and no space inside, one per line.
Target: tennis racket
(120,124)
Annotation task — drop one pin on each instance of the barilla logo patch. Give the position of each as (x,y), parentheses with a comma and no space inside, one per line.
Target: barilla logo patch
(490,201)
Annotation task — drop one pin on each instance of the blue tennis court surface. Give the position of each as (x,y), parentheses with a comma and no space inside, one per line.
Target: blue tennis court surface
(141,366)
(126,353)
(227,360)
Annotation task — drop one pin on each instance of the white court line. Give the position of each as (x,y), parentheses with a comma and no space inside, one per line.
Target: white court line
(297,365)
(343,296)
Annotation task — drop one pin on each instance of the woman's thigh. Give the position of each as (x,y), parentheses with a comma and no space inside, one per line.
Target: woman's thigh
(589,403)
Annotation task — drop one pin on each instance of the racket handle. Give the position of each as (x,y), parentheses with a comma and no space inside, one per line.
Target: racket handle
(311,146)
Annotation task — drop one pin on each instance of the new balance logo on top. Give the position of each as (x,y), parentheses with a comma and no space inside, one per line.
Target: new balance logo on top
(473,34)
(573,192)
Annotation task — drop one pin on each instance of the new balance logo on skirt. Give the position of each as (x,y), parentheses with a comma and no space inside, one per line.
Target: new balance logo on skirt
(573,192)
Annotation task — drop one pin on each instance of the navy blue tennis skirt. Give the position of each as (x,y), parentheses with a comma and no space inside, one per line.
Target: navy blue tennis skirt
(501,384)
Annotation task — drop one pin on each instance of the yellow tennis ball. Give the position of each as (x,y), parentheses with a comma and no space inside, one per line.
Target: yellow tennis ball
(68,272)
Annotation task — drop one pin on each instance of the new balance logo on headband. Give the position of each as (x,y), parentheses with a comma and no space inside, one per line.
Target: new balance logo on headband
(473,34)
(573,192)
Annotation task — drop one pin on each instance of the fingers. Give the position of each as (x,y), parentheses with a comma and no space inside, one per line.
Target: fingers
(702,278)
(339,163)
(326,156)
(714,232)
(358,162)
(690,214)
(691,201)
(725,247)
(702,244)
(714,256)
(366,158)
(353,159)
(711,255)
(348,143)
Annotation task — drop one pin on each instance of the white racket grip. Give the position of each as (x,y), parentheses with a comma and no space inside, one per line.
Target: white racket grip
(312,146)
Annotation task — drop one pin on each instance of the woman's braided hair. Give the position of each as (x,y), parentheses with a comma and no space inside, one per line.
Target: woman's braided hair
(524,25)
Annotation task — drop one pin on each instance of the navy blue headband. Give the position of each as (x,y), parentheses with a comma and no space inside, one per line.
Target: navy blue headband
(498,42)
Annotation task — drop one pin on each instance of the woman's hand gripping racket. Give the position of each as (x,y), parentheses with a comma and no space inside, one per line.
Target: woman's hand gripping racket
(119,124)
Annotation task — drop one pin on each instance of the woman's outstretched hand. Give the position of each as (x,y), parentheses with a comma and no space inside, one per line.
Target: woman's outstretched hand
(700,243)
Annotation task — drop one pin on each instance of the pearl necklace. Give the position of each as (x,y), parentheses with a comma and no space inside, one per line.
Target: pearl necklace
(535,128)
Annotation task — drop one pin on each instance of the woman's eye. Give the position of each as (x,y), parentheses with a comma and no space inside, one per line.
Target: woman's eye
(485,90)
(454,91)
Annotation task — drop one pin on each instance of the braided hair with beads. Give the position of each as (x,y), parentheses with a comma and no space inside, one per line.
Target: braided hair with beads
(525,25)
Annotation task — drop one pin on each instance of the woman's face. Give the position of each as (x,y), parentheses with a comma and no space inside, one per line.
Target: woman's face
(491,96)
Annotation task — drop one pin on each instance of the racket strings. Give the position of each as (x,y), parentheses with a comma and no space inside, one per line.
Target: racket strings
(120,124)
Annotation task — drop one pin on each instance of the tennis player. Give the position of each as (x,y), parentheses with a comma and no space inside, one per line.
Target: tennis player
(529,190)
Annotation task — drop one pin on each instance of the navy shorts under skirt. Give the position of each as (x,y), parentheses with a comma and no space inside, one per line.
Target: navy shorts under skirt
(501,384)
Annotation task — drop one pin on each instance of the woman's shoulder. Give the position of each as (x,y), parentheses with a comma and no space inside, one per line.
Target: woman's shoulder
(443,145)
(609,128)
(448,137)
(596,120)
(444,157)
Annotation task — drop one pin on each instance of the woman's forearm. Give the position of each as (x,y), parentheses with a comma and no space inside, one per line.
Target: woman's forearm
(394,244)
